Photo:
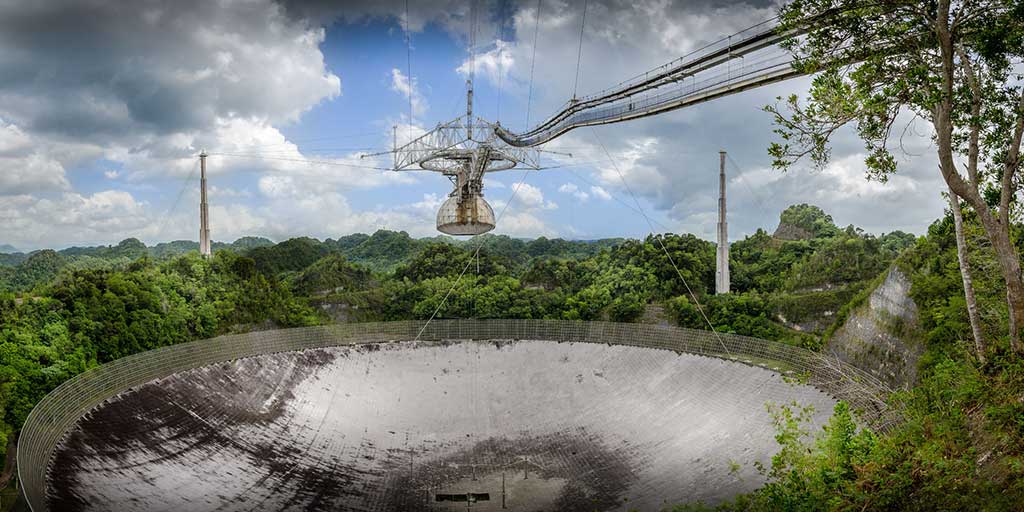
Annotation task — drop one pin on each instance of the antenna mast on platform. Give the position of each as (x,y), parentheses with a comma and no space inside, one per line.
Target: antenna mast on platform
(463,149)
(204,216)
(722,260)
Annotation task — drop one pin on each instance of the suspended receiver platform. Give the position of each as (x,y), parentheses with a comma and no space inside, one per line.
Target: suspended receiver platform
(463,149)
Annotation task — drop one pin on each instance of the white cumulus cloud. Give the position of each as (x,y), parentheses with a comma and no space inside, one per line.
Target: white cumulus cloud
(572,189)
(409,89)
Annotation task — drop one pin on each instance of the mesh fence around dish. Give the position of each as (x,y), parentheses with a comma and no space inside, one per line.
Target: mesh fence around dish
(60,410)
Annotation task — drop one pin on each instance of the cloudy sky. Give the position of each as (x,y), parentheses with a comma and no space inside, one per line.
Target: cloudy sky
(104,106)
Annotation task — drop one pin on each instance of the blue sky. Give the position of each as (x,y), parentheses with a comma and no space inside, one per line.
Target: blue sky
(100,122)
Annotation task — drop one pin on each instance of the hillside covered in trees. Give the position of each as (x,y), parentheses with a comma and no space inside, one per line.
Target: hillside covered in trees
(960,445)
(63,312)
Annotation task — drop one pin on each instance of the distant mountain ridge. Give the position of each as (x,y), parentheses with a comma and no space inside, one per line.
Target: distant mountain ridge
(383,251)
(386,250)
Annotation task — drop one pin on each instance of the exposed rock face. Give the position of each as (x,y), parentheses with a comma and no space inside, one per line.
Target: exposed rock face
(883,336)
(813,310)
(814,324)
(655,314)
(790,232)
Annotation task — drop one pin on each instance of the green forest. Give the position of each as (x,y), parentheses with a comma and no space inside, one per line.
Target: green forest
(63,312)
(947,72)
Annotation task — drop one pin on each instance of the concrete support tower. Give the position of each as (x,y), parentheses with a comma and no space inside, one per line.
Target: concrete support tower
(722,260)
(204,216)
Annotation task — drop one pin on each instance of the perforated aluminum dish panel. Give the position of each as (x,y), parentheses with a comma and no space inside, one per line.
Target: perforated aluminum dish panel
(452,423)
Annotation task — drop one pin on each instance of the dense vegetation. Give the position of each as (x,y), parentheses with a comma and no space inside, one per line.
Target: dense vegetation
(64,312)
(961,445)
(87,317)
(955,64)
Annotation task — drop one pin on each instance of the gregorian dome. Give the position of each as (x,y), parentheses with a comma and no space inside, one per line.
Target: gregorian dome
(472,216)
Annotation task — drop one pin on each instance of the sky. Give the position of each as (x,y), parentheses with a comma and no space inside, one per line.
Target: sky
(104,106)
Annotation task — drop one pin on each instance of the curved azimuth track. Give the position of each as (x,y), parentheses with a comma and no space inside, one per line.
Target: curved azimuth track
(513,415)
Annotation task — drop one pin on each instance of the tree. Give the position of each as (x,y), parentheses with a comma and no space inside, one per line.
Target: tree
(332,273)
(441,259)
(809,218)
(293,254)
(965,274)
(950,62)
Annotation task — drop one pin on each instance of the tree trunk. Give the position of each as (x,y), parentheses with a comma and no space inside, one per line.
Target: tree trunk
(997,231)
(1006,254)
(965,273)
(1009,263)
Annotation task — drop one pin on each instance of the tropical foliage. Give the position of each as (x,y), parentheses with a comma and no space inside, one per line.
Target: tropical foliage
(961,443)
(67,311)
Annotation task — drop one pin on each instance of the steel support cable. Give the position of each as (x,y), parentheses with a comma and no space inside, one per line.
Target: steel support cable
(177,201)
(657,78)
(533,62)
(757,198)
(575,164)
(760,73)
(646,106)
(476,254)
(472,43)
(300,160)
(408,65)
(661,243)
(759,40)
(323,151)
(501,53)
(294,142)
(616,198)
(579,52)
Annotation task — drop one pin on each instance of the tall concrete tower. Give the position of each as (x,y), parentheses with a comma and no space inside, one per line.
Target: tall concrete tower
(204,216)
(722,261)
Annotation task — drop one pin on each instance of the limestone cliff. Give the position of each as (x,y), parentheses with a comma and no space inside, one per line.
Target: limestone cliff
(883,336)
(790,232)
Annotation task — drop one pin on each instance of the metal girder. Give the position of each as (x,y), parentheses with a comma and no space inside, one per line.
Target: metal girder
(745,43)
(449,146)
(685,93)
(682,82)
(463,149)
